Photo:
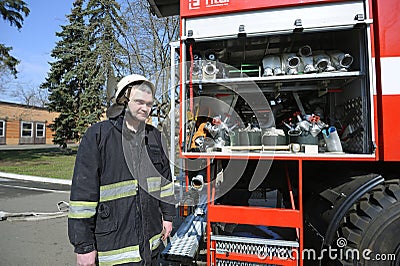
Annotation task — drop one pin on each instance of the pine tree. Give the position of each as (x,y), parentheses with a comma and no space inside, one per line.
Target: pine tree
(12,11)
(67,77)
(106,28)
(90,55)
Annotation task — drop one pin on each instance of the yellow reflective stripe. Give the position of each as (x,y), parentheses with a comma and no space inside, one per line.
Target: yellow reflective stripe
(155,241)
(119,256)
(119,184)
(167,190)
(118,190)
(153,183)
(118,262)
(82,209)
(83,203)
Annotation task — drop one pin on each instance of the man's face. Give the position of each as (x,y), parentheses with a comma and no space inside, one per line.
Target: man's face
(139,105)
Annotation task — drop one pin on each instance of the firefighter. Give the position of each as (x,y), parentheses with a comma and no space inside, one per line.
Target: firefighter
(122,190)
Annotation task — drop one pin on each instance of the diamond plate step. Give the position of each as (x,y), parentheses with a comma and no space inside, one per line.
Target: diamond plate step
(255,246)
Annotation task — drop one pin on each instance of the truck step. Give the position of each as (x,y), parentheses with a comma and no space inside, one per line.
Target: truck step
(262,248)
(184,244)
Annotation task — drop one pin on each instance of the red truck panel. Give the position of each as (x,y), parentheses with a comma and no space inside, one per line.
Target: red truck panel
(389,25)
(191,8)
(387,55)
(391,134)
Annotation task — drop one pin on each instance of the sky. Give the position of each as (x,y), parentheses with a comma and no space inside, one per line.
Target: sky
(32,45)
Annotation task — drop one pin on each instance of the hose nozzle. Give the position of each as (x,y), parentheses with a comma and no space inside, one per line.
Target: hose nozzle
(198,182)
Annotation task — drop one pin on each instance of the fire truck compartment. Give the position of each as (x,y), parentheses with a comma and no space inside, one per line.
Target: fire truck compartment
(310,85)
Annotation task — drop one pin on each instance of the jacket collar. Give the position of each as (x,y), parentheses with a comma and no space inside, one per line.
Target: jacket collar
(118,122)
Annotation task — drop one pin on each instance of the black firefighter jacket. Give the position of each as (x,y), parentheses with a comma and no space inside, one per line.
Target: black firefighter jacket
(115,211)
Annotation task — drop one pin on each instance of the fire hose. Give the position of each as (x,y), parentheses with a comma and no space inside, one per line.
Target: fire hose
(63,208)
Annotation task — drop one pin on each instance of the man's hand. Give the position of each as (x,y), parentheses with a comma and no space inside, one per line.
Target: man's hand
(88,259)
(167,228)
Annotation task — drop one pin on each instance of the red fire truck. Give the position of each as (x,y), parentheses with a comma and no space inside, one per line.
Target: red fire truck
(289,131)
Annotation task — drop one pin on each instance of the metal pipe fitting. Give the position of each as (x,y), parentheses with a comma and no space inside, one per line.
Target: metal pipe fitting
(305,50)
(198,182)
(306,60)
(272,65)
(210,55)
(322,62)
(340,61)
(210,69)
(290,63)
(307,65)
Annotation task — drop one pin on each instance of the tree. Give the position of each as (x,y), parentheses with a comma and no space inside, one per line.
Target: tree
(12,11)
(5,77)
(8,63)
(147,40)
(87,56)
(67,77)
(31,95)
(106,28)
(98,45)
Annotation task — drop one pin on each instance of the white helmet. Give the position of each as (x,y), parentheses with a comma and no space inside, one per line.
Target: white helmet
(118,106)
(125,81)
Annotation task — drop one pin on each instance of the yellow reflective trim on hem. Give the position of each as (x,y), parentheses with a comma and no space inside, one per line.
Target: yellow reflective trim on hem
(117,251)
(155,241)
(118,256)
(119,262)
(155,237)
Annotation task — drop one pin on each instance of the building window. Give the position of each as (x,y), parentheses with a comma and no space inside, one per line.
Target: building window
(2,128)
(40,130)
(27,129)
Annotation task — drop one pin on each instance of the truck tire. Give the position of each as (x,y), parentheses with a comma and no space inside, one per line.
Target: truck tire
(372,226)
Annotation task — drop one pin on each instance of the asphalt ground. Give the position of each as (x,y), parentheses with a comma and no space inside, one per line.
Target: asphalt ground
(28,239)
(29,233)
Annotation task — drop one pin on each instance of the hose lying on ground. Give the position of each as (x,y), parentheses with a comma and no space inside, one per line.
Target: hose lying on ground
(62,206)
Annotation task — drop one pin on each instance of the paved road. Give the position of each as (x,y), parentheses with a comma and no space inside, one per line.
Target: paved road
(32,146)
(38,242)
(35,242)
(41,242)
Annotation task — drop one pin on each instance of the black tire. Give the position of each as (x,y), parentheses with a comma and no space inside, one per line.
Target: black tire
(372,226)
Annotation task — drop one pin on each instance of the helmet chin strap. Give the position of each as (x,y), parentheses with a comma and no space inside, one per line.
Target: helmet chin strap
(115,110)
(119,106)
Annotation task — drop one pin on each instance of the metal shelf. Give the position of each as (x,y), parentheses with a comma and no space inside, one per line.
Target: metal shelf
(316,81)
(283,78)
(280,155)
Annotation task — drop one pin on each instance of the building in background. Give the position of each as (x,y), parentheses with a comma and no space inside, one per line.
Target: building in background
(22,124)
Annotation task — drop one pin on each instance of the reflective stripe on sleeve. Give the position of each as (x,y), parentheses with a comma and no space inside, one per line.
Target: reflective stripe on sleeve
(82,209)
(167,190)
(119,256)
(155,241)
(118,190)
(153,183)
